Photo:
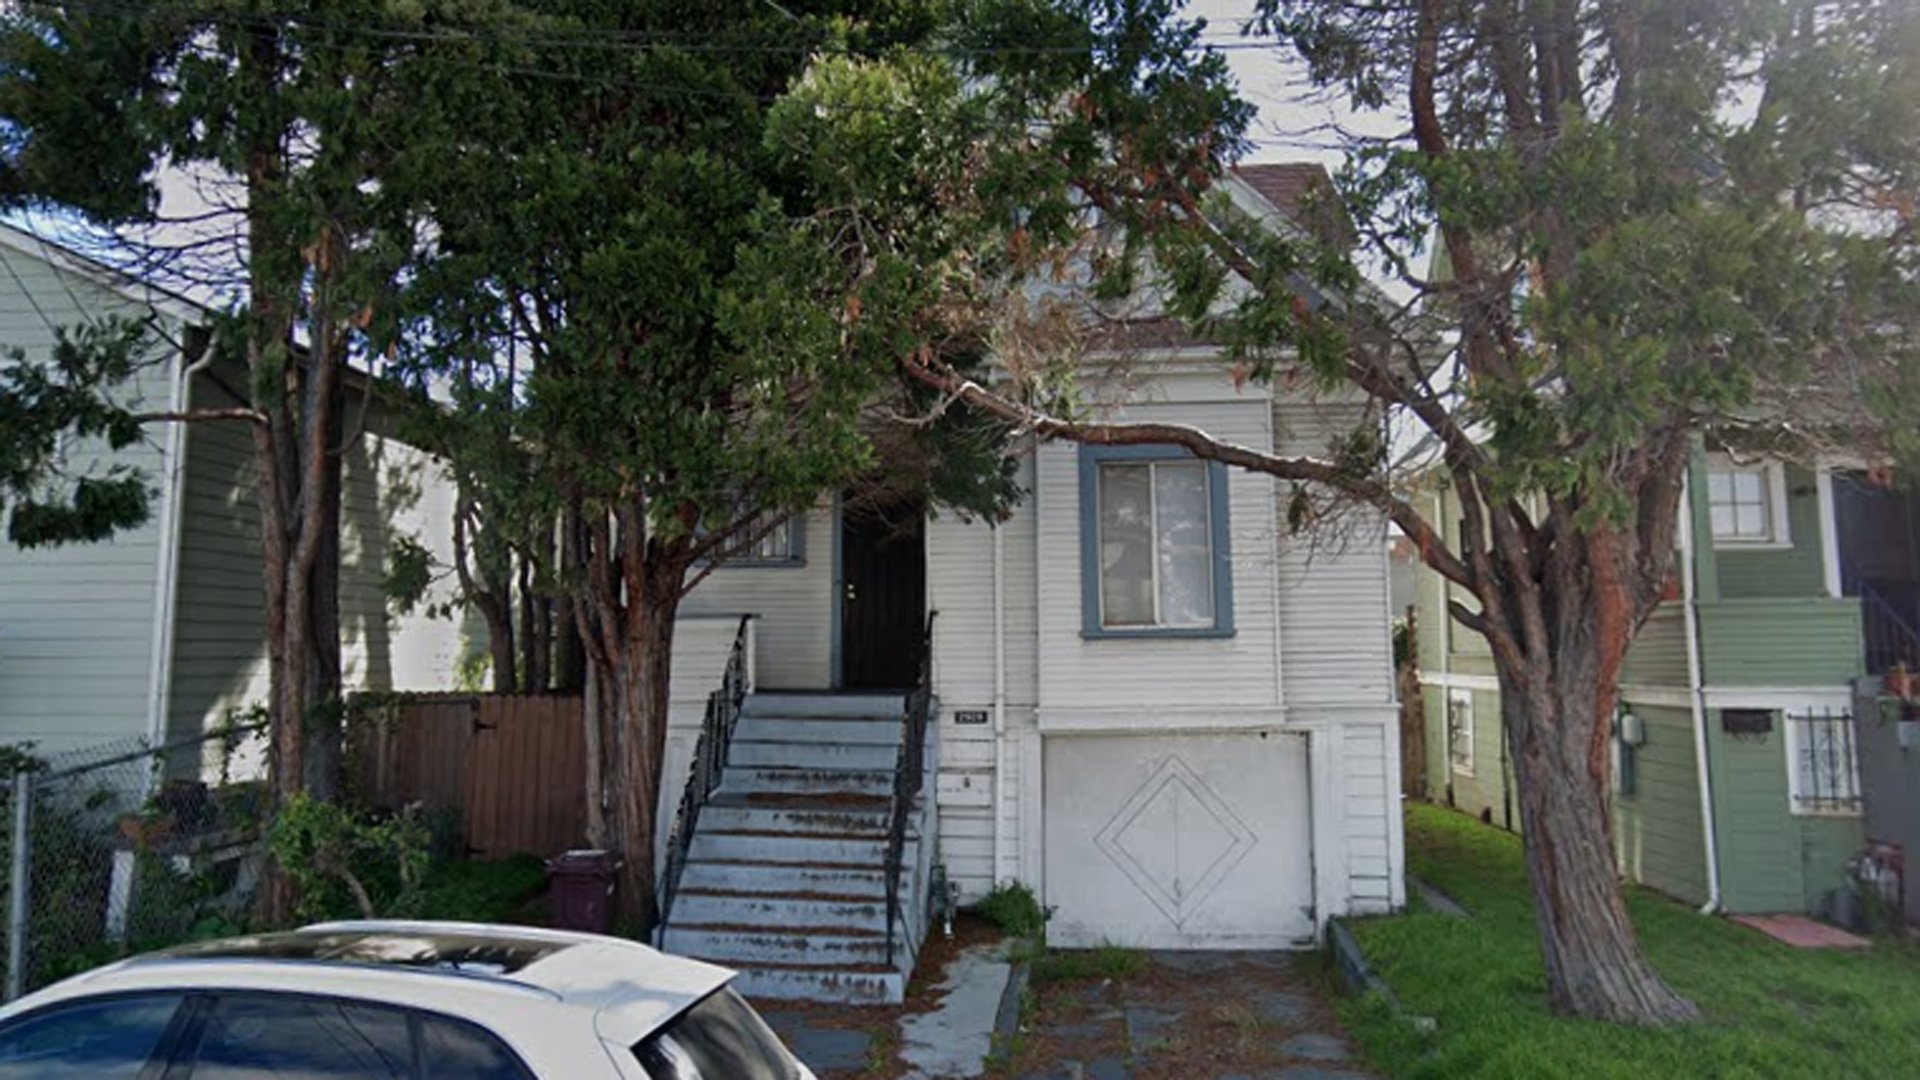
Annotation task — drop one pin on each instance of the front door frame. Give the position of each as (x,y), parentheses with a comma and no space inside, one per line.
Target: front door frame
(836,647)
(834,660)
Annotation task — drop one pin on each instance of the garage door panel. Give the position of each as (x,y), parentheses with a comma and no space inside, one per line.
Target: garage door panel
(1188,841)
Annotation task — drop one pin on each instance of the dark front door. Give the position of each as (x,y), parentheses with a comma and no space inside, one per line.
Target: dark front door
(883,596)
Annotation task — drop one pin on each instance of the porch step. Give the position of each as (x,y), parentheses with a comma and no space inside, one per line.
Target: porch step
(769,780)
(785,880)
(874,985)
(873,706)
(773,878)
(775,910)
(813,755)
(814,946)
(884,730)
(862,820)
(851,849)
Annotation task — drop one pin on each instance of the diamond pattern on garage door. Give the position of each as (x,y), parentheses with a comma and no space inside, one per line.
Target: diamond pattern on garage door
(1176,840)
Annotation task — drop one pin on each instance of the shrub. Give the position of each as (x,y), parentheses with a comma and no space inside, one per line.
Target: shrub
(1014,909)
(496,891)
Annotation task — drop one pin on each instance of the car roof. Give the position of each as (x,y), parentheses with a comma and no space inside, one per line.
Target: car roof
(474,969)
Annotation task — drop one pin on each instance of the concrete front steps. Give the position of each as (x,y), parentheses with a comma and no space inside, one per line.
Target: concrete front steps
(785,880)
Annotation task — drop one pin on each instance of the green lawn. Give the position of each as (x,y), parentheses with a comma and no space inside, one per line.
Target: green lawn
(1768,1010)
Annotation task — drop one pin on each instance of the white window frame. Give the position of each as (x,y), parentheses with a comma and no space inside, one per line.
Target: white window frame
(1773,479)
(1460,703)
(1797,795)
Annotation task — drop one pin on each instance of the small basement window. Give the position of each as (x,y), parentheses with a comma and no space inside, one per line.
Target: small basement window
(1823,765)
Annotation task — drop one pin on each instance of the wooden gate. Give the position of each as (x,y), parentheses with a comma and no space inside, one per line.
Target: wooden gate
(512,765)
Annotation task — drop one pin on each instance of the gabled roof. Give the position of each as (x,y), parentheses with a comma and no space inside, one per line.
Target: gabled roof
(134,289)
(1303,193)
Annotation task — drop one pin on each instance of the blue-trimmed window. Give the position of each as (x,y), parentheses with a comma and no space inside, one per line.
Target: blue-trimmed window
(1154,556)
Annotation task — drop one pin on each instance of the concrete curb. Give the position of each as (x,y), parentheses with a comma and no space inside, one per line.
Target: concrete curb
(1359,979)
(1437,900)
(1351,964)
(1006,1019)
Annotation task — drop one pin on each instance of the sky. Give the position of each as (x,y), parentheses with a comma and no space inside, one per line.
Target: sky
(1294,120)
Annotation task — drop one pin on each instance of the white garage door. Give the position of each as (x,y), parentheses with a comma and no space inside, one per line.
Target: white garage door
(1178,841)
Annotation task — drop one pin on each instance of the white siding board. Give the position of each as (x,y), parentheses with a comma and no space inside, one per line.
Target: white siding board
(1131,674)
(388,490)
(76,622)
(794,605)
(1333,583)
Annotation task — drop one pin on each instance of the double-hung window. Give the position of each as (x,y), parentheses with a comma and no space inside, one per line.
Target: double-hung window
(1748,503)
(782,543)
(1460,731)
(1154,555)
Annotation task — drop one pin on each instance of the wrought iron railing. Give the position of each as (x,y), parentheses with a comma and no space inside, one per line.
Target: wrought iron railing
(909,777)
(1890,637)
(709,765)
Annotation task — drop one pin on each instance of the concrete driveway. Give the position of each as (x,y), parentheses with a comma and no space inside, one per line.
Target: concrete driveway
(1191,1015)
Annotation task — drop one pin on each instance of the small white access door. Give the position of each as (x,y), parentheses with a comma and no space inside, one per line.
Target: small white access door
(1198,841)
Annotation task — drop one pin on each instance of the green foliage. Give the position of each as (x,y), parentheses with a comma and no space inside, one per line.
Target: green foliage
(409,573)
(481,891)
(341,860)
(19,757)
(1771,1010)
(57,415)
(1014,908)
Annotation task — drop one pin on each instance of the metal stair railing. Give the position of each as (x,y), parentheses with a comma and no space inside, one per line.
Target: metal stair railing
(709,765)
(909,777)
(1890,638)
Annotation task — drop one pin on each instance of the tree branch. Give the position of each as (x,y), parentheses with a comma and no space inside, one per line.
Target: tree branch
(195,416)
(1367,489)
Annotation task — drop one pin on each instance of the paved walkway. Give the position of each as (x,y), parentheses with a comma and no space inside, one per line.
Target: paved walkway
(1197,1016)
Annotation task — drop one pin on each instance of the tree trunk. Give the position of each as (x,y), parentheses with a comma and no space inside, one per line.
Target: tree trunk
(641,669)
(1557,721)
(325,716)
(500,644)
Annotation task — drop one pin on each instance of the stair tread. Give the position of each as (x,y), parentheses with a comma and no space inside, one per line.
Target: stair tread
(811,933)
(798,896)
(802,864)
(841,834)
(864,967)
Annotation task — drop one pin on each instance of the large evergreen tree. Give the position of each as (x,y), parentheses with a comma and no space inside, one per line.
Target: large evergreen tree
(1659,220)
(286,112)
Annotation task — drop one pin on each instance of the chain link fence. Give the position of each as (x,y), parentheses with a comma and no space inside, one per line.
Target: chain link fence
(122,847)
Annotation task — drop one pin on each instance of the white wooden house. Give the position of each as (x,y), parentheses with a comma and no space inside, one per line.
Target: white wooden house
(156,633)
(1171,719)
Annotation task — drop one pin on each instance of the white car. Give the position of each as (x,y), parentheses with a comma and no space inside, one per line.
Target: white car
(395,1001)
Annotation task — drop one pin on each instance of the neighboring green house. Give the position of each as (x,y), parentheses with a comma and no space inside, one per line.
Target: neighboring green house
(1792,583)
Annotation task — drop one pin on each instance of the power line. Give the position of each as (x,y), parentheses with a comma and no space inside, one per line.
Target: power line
(629,40)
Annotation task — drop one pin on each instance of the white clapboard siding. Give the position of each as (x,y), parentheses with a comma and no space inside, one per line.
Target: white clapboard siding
(794,604)
(1368,825)
(389,490)
(1237,671)
(960,588)
(1332,583)
(76,621)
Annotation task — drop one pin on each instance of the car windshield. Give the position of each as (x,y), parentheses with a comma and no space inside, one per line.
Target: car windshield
(721,1038)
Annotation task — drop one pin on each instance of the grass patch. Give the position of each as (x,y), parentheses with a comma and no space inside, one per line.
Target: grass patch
(1073,965)
(1768,1010)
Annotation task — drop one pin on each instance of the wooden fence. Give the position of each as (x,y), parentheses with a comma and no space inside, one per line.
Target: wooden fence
(512,765)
